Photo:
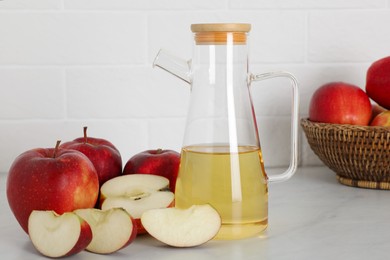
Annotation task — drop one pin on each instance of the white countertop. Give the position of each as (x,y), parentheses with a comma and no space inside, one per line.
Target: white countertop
(311,216)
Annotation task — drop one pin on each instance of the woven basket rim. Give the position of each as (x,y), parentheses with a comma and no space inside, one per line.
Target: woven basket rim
(381,129)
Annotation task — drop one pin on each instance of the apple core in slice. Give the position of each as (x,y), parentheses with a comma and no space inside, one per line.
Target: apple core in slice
(135,206)
(182,227)
(136,193)
(56,235)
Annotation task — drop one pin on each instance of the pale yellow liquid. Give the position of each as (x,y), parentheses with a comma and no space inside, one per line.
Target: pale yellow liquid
(233,182)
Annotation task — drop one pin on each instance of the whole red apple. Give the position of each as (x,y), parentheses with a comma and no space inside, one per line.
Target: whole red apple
(102,153)
(340,103)
(158,162)
(383,119)
(378,82)
(55,179)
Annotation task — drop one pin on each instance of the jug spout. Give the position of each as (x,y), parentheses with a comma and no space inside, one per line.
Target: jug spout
(174,65)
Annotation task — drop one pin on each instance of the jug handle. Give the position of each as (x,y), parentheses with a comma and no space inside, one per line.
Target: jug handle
(294,122)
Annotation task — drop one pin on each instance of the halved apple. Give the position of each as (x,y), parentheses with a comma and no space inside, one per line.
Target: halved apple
(136,193)
(56,235)
(182,227)
(112,229)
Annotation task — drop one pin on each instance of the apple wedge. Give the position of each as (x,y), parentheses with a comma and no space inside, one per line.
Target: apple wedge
(136,193)
(56,235)
(112,229)
(182,227)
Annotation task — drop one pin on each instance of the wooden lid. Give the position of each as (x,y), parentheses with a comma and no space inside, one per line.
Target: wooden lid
(220,33)
(221,27)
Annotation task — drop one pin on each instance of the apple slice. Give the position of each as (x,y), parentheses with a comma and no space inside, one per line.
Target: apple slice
(182,227)
(112,229)
(56,235)
(136,193)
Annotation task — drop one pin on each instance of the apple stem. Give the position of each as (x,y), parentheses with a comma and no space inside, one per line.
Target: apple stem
(159,150)
(85,134)
(56,148)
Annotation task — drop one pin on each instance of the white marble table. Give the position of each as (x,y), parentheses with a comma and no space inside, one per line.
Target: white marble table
(311,216)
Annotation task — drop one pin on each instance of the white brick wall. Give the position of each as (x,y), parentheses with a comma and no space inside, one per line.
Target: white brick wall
(69,63)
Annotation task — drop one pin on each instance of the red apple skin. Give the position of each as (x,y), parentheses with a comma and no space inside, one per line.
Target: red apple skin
(378,82)
(160,162)
(40,179)
(140,228)
(103,154)
(84,239)
(383,119)
(340,103)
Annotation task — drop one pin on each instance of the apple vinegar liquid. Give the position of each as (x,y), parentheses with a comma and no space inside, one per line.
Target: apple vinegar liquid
(233,182)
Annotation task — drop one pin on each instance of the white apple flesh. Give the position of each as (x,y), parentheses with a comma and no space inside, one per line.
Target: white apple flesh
(136,193)
(56,235)
(112,230)
(182,227)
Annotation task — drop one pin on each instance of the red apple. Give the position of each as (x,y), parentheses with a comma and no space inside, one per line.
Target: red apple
(383,119)
(378,82)
(55,179)
(56,235)
(340,103)
(103,154)
(160,162)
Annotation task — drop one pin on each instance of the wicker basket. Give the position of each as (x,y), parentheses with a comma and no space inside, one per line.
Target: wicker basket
(360,155)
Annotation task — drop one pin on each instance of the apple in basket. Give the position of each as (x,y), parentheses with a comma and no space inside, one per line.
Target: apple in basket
(383,119)
(378,82)
(340,103)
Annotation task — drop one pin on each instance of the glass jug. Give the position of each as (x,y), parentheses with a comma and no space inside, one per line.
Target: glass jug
(221,160)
